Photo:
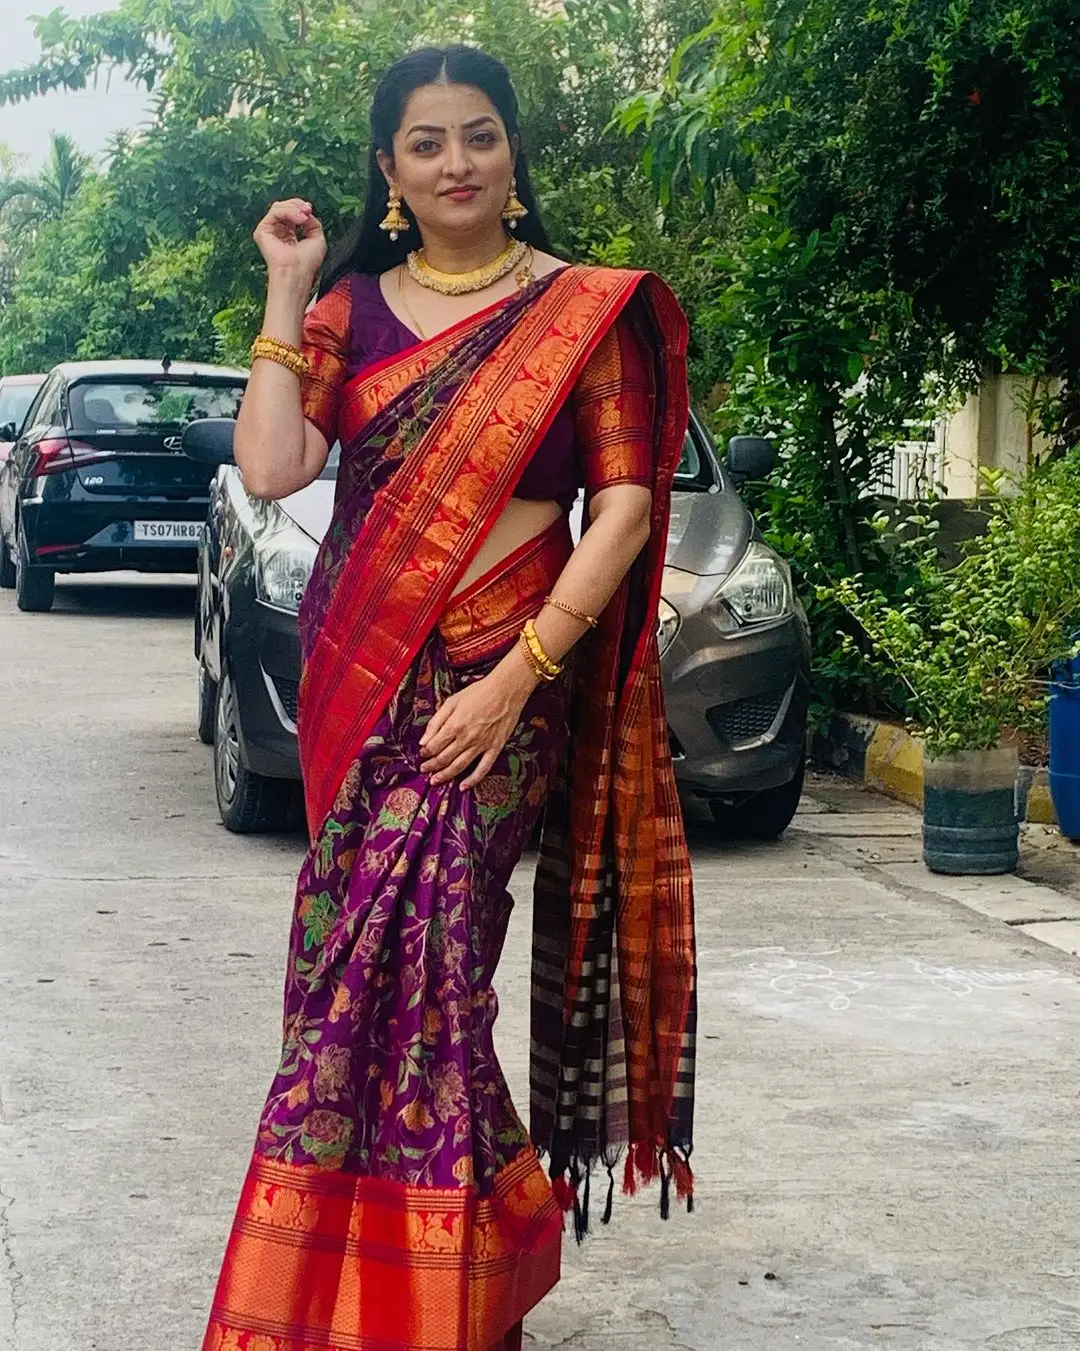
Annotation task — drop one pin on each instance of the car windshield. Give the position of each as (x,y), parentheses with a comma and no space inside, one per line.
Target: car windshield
(122,405)
(15,401)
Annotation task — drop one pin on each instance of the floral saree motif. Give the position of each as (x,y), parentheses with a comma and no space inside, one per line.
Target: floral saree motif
(395,1201)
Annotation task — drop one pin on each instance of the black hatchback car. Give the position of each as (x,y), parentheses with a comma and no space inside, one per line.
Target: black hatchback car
(733,639)
(97,480)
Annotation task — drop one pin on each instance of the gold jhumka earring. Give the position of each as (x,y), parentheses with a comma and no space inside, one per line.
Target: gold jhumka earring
(395,222)
(514,208)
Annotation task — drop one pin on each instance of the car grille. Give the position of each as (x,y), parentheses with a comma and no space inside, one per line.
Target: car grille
(744,719)
(287,691)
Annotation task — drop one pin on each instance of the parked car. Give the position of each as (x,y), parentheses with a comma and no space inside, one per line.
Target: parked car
(16,395)
(97,480)
(734,641)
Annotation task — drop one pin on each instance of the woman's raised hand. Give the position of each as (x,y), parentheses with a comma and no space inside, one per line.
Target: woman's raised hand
(291,239)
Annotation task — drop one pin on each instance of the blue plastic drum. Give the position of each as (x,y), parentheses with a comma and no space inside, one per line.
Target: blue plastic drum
(1065,746)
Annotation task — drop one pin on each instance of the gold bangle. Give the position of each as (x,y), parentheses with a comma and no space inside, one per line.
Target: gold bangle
(284,353)
(537,648)
(550,669)
(591,620)
(534,665)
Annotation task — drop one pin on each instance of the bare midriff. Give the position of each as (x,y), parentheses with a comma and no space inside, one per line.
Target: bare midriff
(519,522)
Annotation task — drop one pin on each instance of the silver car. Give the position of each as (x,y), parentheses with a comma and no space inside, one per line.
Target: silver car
(734,642)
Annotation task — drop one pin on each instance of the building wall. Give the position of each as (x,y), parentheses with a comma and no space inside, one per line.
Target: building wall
(991,431)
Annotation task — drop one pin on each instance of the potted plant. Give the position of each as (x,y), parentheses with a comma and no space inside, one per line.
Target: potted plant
(970,647)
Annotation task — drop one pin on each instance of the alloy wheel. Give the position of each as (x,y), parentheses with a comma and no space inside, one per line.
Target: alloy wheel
(226,741)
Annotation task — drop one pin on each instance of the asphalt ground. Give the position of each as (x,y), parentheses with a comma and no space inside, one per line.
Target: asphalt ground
(887,1148)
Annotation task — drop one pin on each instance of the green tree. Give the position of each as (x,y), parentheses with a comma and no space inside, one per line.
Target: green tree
(904,220)
(268,99)
(48,195)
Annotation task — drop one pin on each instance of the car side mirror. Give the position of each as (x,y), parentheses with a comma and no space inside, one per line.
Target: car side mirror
(209,441)
(750,457)
(8,431)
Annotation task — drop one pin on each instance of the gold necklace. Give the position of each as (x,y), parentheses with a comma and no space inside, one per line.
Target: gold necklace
(523,279)
(462,283)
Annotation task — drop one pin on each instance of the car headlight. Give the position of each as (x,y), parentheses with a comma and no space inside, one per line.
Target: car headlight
(283,563)
(667,625)
(759,588)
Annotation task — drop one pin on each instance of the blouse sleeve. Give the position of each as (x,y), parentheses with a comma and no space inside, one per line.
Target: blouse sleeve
(614,401)
(326,346)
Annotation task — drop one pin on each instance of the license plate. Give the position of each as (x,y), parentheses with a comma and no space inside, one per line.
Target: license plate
(170,531)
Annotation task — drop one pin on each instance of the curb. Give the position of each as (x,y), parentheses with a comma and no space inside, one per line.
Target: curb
(886,758)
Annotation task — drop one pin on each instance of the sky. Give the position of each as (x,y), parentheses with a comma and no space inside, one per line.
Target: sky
(90,116)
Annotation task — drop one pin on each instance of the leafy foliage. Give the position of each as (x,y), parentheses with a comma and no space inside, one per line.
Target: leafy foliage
(875,151)
(258,99)
(971,646)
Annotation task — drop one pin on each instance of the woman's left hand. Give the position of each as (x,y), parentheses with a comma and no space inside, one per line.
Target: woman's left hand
(472,725)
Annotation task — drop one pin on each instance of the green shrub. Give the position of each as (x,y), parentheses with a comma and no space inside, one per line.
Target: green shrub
(970,646)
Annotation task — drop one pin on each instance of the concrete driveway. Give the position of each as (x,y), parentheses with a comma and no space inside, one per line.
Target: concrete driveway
(888,1142)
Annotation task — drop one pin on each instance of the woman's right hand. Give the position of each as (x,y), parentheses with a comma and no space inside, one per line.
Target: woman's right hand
(290,238)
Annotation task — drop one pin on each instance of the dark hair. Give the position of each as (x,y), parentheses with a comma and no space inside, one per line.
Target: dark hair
(366,248)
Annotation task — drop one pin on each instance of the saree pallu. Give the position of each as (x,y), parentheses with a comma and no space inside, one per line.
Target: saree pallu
(395,1202)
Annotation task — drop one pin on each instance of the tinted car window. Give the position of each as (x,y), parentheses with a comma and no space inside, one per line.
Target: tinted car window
(15,401)
(45,410)
(125,405)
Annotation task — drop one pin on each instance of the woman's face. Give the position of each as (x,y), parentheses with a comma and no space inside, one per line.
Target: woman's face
(452,159)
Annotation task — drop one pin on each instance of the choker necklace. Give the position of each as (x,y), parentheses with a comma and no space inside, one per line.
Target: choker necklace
(461,283)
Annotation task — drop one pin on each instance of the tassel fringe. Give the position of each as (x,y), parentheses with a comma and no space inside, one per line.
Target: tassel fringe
(644,1164)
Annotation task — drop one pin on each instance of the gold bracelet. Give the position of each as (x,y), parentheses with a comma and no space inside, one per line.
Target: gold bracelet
(537,648)
(542,663)
(284,353)
(591,620)
(534,665)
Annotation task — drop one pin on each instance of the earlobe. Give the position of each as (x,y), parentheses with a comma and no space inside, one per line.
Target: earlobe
(386,166)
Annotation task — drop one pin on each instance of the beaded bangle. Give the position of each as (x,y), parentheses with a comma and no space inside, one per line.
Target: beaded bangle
(591,620)
(284,353)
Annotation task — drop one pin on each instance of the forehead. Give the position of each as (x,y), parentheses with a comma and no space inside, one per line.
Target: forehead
(447,105)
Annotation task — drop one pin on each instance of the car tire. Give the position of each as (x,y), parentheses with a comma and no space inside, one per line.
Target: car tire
(7,568)
(248,803)
(35,587)
(207,705)
(762,816)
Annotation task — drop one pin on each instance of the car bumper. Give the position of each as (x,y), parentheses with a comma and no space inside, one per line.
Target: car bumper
(72,537)
(737,705)
(264,659)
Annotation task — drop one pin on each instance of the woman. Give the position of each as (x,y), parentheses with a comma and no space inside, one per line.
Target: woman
(465,666)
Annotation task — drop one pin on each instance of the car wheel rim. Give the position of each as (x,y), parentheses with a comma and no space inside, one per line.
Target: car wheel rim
(227,742)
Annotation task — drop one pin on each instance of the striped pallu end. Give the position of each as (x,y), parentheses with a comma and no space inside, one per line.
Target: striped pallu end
(613,971)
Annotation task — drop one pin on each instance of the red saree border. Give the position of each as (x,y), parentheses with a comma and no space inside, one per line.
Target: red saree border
(428,522)
(317,1254)
(490,613)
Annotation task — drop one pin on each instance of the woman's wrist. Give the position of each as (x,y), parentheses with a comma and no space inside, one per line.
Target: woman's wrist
(287,295)
(516,674)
